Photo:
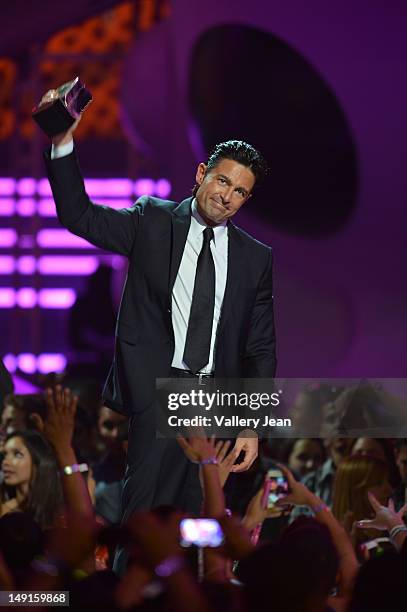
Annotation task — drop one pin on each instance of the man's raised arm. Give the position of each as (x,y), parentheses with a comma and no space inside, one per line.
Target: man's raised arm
(107,228)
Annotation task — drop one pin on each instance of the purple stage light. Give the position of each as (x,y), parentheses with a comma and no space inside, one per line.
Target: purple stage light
(26,297)
(163,188)
(26,186)
(8,237)
(43,188)
(7,264)
(61,239)
(27,362)
(7,297)
(7,186)
(26,207)
(115,187)
(23,387)
(7,207)
(144,186)
(46,208)
(56,298)
(26,264)
(10,362)
(67,265)
(51,362)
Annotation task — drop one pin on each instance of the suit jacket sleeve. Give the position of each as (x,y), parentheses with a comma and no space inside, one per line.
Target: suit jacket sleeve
(260,355)
(107,228)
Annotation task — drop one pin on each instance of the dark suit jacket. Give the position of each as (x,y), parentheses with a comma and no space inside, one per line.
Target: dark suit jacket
(152,235)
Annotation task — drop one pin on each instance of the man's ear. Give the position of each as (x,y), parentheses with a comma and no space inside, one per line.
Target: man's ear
(200,173)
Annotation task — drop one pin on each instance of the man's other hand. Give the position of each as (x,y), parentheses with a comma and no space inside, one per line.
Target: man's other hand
(64,137)
(249,446)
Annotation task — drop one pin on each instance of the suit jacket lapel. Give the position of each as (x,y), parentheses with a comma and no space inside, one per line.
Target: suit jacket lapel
(181,220)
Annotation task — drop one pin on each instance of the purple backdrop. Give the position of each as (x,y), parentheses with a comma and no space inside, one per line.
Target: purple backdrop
(340,300)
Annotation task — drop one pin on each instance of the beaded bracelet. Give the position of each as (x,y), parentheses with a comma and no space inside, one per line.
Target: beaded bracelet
(394,531)
(320,508)
(74,468)
(211,461)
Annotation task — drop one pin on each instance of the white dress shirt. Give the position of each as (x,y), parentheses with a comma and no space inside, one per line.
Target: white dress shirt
(184,282)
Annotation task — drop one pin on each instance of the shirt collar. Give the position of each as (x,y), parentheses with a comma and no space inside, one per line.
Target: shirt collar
(198,224)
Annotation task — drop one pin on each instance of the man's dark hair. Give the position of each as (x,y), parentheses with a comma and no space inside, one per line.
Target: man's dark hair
(240,152)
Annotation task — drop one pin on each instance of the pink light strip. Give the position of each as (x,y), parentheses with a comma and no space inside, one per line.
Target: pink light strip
(7,297)
(10,362)
(7,186)
(27,297)
(46,208)
(7,207)
(7,264)
(67,265)
(43,187)
(56,298)
(59,265)
(51,362)
(61,239)
(26,186)
(144,186)
(163,188)
(8,237)
(29,363)
(26,264)
(26,207)
(115,187)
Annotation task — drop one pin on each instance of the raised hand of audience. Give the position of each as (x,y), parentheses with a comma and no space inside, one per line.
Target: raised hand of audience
(299,494)
(257,511)
(198,447)
(60,421)
(59,427)
(225,459)
(385,517)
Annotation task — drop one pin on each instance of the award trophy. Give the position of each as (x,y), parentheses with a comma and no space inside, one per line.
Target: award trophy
(60,108)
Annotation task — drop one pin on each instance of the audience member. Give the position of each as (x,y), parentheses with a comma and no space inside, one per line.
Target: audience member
(355,477)
(31,480)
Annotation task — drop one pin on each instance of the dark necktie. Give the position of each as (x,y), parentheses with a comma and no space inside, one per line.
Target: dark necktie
(198,340)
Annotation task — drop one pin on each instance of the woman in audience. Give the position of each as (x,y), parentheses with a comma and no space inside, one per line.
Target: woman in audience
(381,448)
(31,481)
(356,476)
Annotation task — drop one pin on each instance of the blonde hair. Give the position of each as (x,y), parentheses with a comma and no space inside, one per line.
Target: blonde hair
(355,476)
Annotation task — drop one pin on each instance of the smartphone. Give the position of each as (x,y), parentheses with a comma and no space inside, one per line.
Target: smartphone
(201,532)
(276,487)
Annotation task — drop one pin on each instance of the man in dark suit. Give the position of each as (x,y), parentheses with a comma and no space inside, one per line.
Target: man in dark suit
(197,302)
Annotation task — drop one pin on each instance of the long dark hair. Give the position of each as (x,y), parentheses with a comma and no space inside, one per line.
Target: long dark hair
(44,500)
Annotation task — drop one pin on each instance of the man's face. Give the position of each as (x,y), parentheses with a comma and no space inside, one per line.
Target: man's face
(401,460)
(222,190)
